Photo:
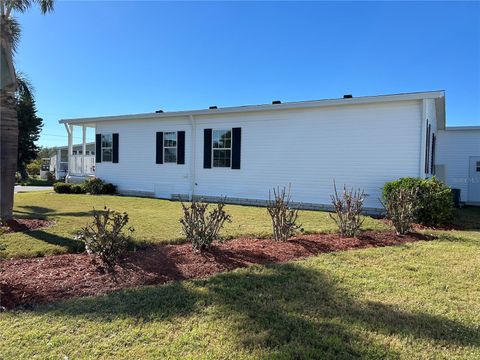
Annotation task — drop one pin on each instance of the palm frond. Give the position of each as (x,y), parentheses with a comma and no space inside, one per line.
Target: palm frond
(13,32)
(46,5)
(24,86)
(23,5)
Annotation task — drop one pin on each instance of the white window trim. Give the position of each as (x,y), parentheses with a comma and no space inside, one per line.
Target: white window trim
(102,147)
(170,147)
(230,148)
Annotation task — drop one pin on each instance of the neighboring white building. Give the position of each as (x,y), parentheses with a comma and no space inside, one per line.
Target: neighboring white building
(243,152)
(458,161)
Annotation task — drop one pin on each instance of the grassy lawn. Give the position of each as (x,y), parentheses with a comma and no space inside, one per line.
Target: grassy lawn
(420,300)
(154,221)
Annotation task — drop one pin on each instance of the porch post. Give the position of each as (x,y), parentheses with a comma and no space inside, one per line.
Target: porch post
(84,148)
(58,160)
(70,147)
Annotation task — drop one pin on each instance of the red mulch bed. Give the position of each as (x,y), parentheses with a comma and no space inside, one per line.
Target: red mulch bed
(16,225)
(420,227)
(33,281)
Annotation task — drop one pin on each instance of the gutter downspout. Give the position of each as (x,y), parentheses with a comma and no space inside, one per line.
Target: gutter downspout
(193,180)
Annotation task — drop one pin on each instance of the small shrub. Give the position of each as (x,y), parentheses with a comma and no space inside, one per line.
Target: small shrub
(434,199)
(105,237)
(284,218)
(401,207)
(109,189)
(94,186)
(200,227)
(50,177)
(77,189)
(62,188)
(348,210)
(97,186)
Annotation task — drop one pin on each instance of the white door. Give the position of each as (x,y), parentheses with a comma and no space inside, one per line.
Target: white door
(474,180)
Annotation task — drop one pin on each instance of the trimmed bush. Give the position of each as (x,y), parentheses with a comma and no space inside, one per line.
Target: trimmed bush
(97,186)
(62,188)
(401,207)
(434,199)
(94,186)
(348,210)
(105,237)
(201,228)
(284,218)
(77,189)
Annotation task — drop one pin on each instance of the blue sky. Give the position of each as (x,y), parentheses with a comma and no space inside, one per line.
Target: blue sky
(93,58)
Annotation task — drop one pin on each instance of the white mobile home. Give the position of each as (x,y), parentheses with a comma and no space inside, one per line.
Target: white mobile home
(459,161)
(242,152)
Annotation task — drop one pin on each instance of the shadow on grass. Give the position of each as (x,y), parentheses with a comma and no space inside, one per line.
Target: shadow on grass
(38,212)
(468,218)
(288,310)
(72,245)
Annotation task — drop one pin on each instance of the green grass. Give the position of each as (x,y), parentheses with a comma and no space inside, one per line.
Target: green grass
(154,221)
(419,300)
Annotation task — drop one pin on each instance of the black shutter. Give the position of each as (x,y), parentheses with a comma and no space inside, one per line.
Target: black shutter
(207,148)
(98,148)
(432,166)
(159,156)
(236,147)
(181,147)
(115,148)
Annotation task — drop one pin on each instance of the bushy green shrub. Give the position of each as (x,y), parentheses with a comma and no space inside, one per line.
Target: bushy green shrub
(97,186)
(94,186)
(77,189)
(105,236)
(109,189)
(434,199)
(62,188)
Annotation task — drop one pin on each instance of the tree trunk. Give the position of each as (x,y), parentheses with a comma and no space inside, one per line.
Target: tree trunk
(8,152)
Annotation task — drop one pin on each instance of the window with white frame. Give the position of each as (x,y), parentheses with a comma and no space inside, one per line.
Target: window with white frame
(107,145)
(170,147)
(222,148)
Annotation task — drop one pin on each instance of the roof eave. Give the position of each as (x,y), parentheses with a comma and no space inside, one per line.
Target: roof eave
(267,107)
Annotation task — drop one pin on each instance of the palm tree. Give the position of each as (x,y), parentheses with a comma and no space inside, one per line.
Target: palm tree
(9,37)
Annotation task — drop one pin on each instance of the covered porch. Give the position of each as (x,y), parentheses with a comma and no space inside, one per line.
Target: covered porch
(80,159)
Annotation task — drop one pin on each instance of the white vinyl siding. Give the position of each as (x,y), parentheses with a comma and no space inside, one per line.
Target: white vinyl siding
(455,147)
(361,145)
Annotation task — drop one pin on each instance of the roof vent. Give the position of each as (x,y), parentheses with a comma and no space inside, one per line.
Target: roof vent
(276,102)
(159,111)
(348,96)
(213,107)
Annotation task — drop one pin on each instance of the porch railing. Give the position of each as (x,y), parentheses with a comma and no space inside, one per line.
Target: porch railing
(82,165)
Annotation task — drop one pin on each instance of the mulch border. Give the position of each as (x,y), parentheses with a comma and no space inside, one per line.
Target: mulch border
(25,224)
(27,282)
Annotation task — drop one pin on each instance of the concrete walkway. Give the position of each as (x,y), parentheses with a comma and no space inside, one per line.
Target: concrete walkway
(19,188)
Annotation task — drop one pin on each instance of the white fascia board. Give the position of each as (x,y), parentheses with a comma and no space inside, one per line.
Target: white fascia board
(267,107)
(460,128)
